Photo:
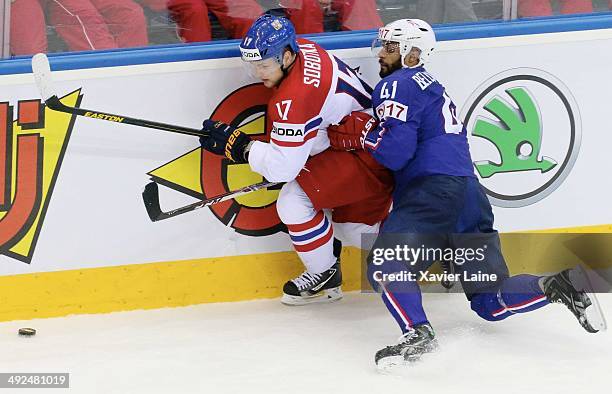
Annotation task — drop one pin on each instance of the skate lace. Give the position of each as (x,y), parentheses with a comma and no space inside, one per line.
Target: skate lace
(406,337)
(306,280)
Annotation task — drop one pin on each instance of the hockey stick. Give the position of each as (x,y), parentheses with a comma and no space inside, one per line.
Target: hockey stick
(150,196)
(42,76)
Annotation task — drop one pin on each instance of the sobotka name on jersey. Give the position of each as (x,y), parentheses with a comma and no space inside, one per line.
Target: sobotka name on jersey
(312,65)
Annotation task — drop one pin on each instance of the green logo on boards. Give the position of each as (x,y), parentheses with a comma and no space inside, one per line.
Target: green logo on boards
(525,130)
(518,143)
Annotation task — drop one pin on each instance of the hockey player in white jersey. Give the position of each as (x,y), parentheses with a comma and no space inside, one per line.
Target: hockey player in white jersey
(312,90)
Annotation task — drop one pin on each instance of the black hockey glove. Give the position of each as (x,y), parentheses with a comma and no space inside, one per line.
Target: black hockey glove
(223,139)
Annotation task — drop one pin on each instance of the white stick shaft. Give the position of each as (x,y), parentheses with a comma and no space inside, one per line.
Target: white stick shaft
(42,75)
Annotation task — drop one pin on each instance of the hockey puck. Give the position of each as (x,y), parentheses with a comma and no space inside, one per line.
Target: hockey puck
(27,332)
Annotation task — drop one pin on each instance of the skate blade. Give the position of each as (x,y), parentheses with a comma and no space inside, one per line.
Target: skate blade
(391,364)
(594,314)
(322,297)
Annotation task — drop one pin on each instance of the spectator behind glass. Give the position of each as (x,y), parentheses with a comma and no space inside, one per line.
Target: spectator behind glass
(528,8)
(440,11)
(307,15)
(82,24)
(193,23)
(31,37)
(98,24)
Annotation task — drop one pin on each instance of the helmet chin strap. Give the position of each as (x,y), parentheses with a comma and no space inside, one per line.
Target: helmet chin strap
(286,70)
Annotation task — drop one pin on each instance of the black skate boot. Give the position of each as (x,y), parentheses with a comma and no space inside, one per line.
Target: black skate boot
(311,288)
(411,346)
(577,296)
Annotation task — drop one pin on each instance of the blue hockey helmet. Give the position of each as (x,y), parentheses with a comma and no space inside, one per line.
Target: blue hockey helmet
(267,38)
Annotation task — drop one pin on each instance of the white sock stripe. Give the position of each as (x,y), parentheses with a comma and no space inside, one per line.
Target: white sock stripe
(313,228)
(500,312)
(323,233)
(395,306)
(537,300)
(511,309)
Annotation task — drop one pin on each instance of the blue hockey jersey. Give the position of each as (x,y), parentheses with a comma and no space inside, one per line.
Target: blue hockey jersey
(420,133)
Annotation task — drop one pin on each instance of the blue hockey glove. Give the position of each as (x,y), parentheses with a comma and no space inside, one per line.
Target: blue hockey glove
(223,139)
(371,138)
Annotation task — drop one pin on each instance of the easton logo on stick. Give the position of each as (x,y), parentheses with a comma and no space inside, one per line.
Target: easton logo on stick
(32,148)
(111,118)
(204,175)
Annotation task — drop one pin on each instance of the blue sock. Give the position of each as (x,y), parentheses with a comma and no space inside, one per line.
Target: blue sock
(402,298)
(517,294)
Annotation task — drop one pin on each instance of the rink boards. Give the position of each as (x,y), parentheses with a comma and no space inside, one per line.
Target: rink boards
(75,237)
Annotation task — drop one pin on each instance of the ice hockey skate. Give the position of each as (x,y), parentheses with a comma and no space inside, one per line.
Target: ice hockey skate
(410,347)
(572,288)
(314,288)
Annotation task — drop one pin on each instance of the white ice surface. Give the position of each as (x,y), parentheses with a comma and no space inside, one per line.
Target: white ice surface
(265,347)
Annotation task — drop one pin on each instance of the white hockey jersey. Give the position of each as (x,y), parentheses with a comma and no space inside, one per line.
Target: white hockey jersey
(318,91)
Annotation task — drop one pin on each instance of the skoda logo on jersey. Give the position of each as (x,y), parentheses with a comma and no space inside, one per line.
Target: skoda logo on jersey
(288,131)
(525,131)
(250,54)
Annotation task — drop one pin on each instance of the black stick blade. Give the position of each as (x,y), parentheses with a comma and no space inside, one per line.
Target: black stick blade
(150,197)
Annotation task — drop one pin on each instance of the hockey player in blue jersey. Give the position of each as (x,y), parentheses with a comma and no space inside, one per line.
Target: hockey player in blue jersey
(438,202)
